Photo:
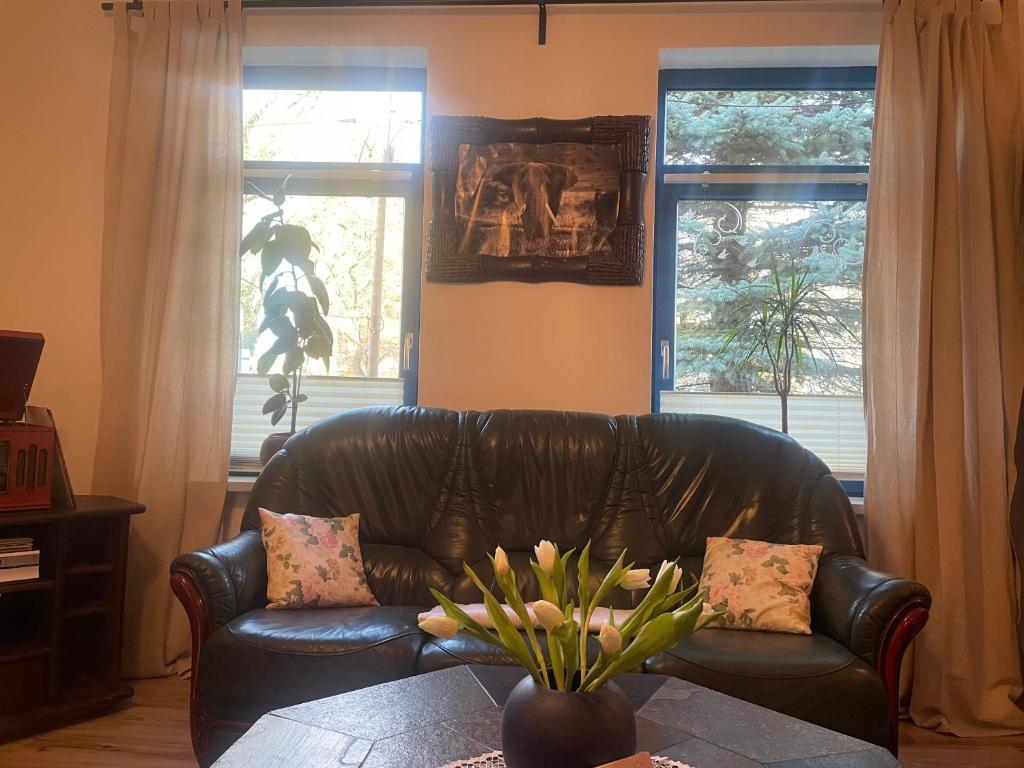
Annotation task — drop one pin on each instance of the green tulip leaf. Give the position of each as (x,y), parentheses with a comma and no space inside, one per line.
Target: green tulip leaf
(678,598)
(509,588)
(547,587)
(647,608)
(466,622)
(583,576)
(610,581)
(511,640)
(558,577)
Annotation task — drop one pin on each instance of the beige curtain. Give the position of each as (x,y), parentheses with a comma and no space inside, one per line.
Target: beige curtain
(169,317)
(944,353)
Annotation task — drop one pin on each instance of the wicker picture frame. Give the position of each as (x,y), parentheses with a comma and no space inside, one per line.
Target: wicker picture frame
(498,217)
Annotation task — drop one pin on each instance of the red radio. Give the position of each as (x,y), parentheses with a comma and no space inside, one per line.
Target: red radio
(26,450)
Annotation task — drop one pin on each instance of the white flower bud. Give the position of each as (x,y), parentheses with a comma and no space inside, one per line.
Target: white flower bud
(676,576)
(501,565)
(546,556)
(440,626)
(610,639)
(548,614)
(637,578)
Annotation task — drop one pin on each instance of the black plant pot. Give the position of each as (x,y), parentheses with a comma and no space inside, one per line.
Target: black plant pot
(542,728)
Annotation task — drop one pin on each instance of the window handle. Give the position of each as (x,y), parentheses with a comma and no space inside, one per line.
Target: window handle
(666,350)
(407,351)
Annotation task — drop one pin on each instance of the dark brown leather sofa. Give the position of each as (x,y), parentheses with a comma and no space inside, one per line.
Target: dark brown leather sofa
(436,487)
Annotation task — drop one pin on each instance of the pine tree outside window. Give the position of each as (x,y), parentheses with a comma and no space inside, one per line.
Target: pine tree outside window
(349,141)
(759,247)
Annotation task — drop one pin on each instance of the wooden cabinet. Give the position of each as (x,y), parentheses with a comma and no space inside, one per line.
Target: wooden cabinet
(60,634)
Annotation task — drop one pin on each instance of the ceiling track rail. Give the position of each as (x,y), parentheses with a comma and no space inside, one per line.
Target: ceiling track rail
(542,7)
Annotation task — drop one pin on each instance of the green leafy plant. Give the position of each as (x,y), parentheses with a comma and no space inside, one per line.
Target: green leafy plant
(295,301)
(666,614)
(784,320)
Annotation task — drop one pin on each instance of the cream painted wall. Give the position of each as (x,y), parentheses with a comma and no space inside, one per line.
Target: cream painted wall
(552,345)
(484,346)
(54,73)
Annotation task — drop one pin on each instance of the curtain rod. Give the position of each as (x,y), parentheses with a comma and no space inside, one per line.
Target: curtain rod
(136,5)
(542,18)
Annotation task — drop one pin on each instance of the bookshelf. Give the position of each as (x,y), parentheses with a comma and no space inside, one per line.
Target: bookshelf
(60,634)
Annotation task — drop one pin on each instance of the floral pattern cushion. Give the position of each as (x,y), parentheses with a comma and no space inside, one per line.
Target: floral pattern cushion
(758,585)
(314,562)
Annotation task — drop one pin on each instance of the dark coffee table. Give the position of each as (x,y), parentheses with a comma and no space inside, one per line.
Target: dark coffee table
(427,721)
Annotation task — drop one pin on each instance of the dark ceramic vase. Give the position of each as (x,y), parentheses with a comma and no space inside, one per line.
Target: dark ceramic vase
(272,443)
(542,728)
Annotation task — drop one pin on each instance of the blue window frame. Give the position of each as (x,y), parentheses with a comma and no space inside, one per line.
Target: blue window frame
(691,181)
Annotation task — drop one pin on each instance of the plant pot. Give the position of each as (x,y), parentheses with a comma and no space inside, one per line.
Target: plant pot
(272,443)
(542,728)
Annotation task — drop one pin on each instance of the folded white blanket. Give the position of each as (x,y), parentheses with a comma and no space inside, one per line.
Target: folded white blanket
(478,612)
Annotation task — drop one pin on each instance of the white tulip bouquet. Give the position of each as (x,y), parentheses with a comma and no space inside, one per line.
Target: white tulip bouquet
(664,616)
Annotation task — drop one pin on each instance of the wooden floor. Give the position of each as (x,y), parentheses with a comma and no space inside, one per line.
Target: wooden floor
(152,732)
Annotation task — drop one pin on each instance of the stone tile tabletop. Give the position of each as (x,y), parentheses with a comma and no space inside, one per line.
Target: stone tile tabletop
(455,714)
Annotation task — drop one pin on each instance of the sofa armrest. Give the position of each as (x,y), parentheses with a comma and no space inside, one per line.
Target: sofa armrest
(855,604)
(873,614)
(222,581)
(215,585)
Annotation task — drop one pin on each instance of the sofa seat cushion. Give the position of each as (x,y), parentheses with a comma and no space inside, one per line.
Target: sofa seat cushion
(264,660)
(810,677)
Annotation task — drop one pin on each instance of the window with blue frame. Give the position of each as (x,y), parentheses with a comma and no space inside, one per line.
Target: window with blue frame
(759,249)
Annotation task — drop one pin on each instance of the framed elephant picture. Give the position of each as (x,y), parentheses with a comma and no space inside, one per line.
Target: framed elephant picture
(538,200)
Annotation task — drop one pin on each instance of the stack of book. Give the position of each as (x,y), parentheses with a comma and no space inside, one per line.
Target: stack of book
(18,561)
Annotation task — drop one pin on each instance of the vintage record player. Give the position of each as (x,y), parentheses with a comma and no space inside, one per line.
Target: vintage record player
(26,450)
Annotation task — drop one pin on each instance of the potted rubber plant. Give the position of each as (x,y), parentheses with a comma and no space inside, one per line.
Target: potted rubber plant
(566,711)
(295,301)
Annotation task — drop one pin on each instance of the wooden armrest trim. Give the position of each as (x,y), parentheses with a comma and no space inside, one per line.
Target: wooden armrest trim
(902,628)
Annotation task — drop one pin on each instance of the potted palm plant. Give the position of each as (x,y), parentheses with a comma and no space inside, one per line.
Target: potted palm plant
(784,319)
(566,711)
(295,301)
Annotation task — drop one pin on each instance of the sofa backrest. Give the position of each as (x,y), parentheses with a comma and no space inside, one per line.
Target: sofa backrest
(435,488)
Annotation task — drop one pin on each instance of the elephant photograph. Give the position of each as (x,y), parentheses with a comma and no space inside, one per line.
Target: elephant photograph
(538,199)
(556,201)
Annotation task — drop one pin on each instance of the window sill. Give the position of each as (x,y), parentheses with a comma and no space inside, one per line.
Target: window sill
(240,483)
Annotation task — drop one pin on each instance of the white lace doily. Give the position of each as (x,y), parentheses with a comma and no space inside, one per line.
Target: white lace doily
(495,760)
